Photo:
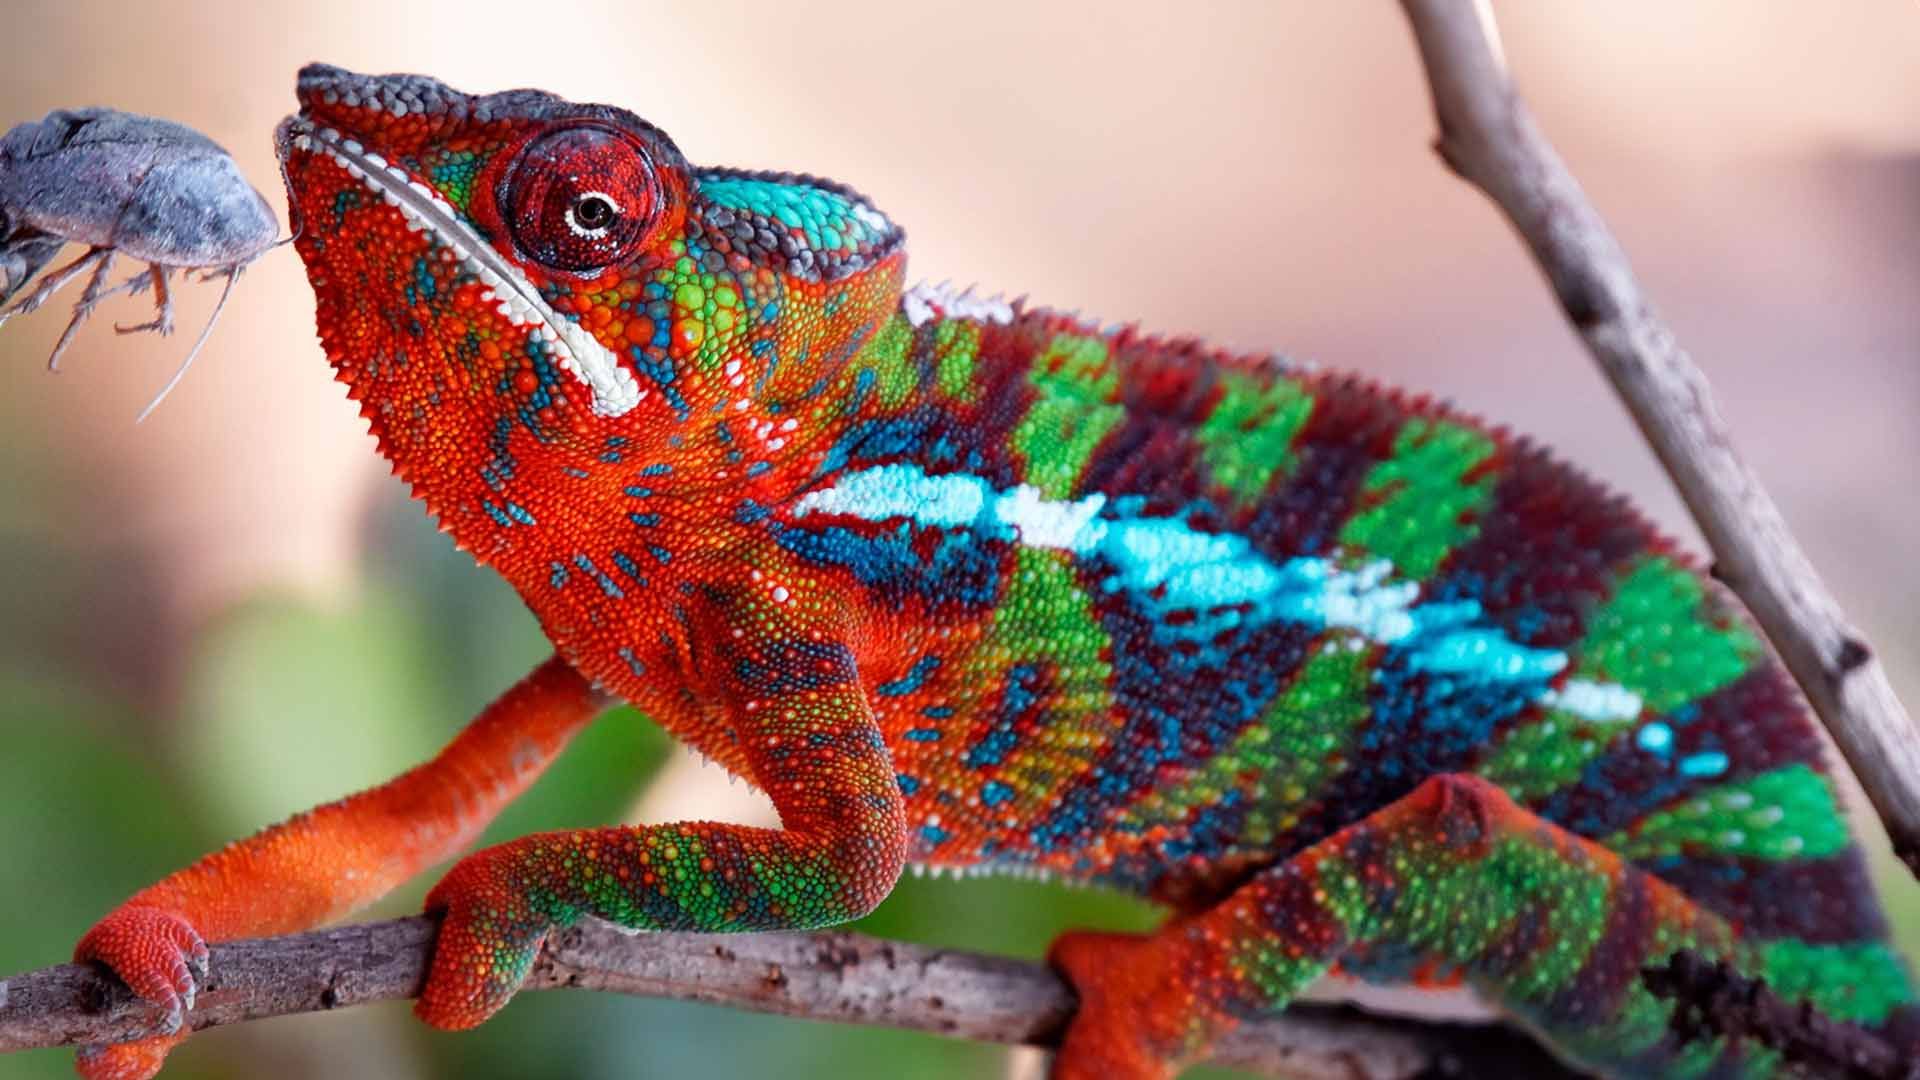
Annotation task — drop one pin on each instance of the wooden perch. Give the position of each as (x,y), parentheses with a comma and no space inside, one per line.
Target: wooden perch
(843,977)
(1489,139)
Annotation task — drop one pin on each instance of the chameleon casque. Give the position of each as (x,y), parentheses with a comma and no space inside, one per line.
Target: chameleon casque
(1343,678)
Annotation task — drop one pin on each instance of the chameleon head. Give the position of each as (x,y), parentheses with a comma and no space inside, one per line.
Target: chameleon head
(513,281)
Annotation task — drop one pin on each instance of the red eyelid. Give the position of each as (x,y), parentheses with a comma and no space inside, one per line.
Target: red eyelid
(645,170)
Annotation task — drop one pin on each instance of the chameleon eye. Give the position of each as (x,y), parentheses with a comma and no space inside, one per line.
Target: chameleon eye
(581,198)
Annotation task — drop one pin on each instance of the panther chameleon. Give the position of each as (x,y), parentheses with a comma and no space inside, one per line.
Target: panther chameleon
(1343,678)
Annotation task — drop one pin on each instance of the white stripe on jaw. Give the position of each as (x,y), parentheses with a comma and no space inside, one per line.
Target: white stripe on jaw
(614,389)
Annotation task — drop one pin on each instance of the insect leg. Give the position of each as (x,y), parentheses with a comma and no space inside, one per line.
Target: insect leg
(162,322)
(89,297)
(53,283)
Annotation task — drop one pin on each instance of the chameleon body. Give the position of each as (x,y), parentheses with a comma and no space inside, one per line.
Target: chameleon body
(1343,678)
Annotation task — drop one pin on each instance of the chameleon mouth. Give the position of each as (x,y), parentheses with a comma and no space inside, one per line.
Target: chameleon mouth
(613,388)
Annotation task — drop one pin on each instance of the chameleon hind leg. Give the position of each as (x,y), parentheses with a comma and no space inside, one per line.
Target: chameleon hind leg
(321,865)
(1453,879)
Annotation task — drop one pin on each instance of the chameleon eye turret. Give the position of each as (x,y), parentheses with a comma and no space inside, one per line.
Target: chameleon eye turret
(583,198)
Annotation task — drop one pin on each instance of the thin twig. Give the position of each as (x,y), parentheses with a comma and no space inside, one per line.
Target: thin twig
(842,977)
(1489,139)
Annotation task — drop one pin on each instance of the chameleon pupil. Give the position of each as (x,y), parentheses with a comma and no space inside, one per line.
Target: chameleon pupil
(593,212)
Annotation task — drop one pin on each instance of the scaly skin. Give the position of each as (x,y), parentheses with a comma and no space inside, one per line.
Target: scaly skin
(1340,676)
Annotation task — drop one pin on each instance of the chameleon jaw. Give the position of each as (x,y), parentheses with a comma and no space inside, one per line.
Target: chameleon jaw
(613,388)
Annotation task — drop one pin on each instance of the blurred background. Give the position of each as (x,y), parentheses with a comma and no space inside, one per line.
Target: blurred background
(231,612)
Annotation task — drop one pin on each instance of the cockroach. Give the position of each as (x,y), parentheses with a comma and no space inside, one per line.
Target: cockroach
(122,183)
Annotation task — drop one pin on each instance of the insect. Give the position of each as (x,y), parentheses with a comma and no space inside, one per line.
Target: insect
(122,183)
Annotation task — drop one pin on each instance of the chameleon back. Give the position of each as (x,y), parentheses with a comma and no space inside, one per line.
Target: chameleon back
(1160,617)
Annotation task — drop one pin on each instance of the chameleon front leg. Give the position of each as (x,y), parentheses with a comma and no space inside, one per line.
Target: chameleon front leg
(807,735)
(323,864)
(1453,879)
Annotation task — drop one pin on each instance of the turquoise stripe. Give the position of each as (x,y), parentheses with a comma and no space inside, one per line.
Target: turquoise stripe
(1187,569)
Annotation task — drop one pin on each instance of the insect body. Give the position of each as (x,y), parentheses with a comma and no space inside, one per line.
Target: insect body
(120,183)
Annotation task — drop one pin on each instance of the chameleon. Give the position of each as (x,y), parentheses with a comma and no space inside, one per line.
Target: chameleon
(1346,679)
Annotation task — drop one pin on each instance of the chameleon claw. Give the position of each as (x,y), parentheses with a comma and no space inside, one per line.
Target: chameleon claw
(157,954)
(199,959)
(1114,975)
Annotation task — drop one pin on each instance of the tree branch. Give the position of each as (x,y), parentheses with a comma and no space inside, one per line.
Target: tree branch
(830,976)
(1490,140)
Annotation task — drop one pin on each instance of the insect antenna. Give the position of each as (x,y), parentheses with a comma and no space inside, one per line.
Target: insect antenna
(233,275)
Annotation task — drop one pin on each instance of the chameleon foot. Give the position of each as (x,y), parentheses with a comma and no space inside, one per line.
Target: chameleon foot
(158,954)
(1122,984)
(489,935)
(162,959)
